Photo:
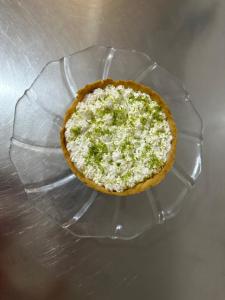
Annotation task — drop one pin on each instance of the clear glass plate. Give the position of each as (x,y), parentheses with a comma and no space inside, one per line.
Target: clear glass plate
(35,148)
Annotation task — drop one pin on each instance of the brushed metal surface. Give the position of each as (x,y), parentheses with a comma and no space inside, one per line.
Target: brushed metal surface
(184,259)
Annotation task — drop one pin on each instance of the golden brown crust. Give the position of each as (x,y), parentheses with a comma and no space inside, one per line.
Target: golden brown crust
(140,187)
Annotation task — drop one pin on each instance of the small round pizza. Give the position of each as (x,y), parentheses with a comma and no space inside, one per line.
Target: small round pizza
(119,137)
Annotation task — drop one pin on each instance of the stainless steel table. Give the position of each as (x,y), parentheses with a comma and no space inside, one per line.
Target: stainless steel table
(186,258)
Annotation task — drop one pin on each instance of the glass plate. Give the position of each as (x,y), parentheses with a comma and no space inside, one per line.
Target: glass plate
(35,148)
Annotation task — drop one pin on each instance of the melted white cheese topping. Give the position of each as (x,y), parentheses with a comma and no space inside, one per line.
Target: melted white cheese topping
(118,137)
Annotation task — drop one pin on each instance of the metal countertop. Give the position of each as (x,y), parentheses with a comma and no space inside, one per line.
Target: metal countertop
(184,260)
